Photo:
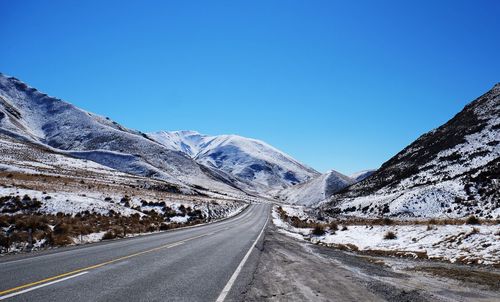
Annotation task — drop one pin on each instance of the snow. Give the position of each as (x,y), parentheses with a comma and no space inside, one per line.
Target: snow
(442,185)
(293,231)
(92,237)
(70,202)
(464,243)
(448,242)
(179,219)
(32,116)
(361,175)
(266,167)
(316,190)
(294,210)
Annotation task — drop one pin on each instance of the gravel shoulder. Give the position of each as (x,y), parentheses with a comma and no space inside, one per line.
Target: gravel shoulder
(294,270)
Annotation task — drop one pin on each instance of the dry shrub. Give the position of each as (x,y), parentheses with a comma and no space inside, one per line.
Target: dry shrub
(4,221)
(299,223)
(387,221)
(472,220)
(62,229)
(109,235)
(390,235)
(4,241)
(318,230)
(283,215)
(58,240)
(19,236)
(333,226)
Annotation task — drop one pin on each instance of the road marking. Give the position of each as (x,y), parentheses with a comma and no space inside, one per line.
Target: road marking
(40,286)
(75,272)
(227,288)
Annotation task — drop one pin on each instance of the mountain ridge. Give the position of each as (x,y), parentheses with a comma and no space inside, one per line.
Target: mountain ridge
(32,115)
(245,158)
(315,190)
(450,171)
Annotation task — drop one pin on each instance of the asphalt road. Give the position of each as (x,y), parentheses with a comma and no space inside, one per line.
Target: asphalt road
(194,264)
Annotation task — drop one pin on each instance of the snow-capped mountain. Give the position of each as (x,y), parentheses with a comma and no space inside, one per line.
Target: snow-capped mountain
(452,171)
(29,115)
(250,160)
(359,176)
(316,190)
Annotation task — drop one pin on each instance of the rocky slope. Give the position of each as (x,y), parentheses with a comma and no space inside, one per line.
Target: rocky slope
(452,171)
(359,176)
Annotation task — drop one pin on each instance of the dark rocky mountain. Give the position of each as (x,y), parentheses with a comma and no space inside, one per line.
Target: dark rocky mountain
(450,171)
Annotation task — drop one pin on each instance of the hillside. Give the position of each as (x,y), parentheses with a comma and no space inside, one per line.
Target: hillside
(316,190)
(251,161)
(29,115)
(452,171)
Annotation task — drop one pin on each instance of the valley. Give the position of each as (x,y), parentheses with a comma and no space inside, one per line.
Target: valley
(241,218)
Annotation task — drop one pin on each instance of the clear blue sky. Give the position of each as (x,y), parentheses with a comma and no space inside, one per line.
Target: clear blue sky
(338,85)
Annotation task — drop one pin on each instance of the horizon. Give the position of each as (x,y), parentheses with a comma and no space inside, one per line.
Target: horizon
(345,90)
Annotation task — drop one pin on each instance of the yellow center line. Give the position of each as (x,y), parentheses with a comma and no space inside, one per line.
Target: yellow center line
(166,246)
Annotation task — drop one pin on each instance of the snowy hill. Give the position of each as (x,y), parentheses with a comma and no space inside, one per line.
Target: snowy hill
(452,171)
(361,175)
(29,115)
(316,190)
(250,160)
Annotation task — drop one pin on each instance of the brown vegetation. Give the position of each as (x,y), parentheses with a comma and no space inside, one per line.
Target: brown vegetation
(60,229)
(318,230)
(390,235)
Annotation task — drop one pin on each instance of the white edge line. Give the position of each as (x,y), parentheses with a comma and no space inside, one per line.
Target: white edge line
(40,286)
(227,288)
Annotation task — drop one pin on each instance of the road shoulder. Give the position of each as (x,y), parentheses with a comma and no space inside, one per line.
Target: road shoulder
(292,270)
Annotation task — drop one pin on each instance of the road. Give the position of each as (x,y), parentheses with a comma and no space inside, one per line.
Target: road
(211,262)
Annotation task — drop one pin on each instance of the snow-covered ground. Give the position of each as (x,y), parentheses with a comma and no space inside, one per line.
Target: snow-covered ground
(454,243)
(70,203)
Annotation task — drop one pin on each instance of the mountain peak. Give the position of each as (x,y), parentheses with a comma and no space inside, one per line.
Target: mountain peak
(247,159)
(187,132)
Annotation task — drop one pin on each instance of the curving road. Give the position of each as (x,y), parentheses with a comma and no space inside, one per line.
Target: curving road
(212,262)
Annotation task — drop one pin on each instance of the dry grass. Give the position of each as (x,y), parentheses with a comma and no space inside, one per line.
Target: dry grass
(58,230)
(472,220)
(333,226)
